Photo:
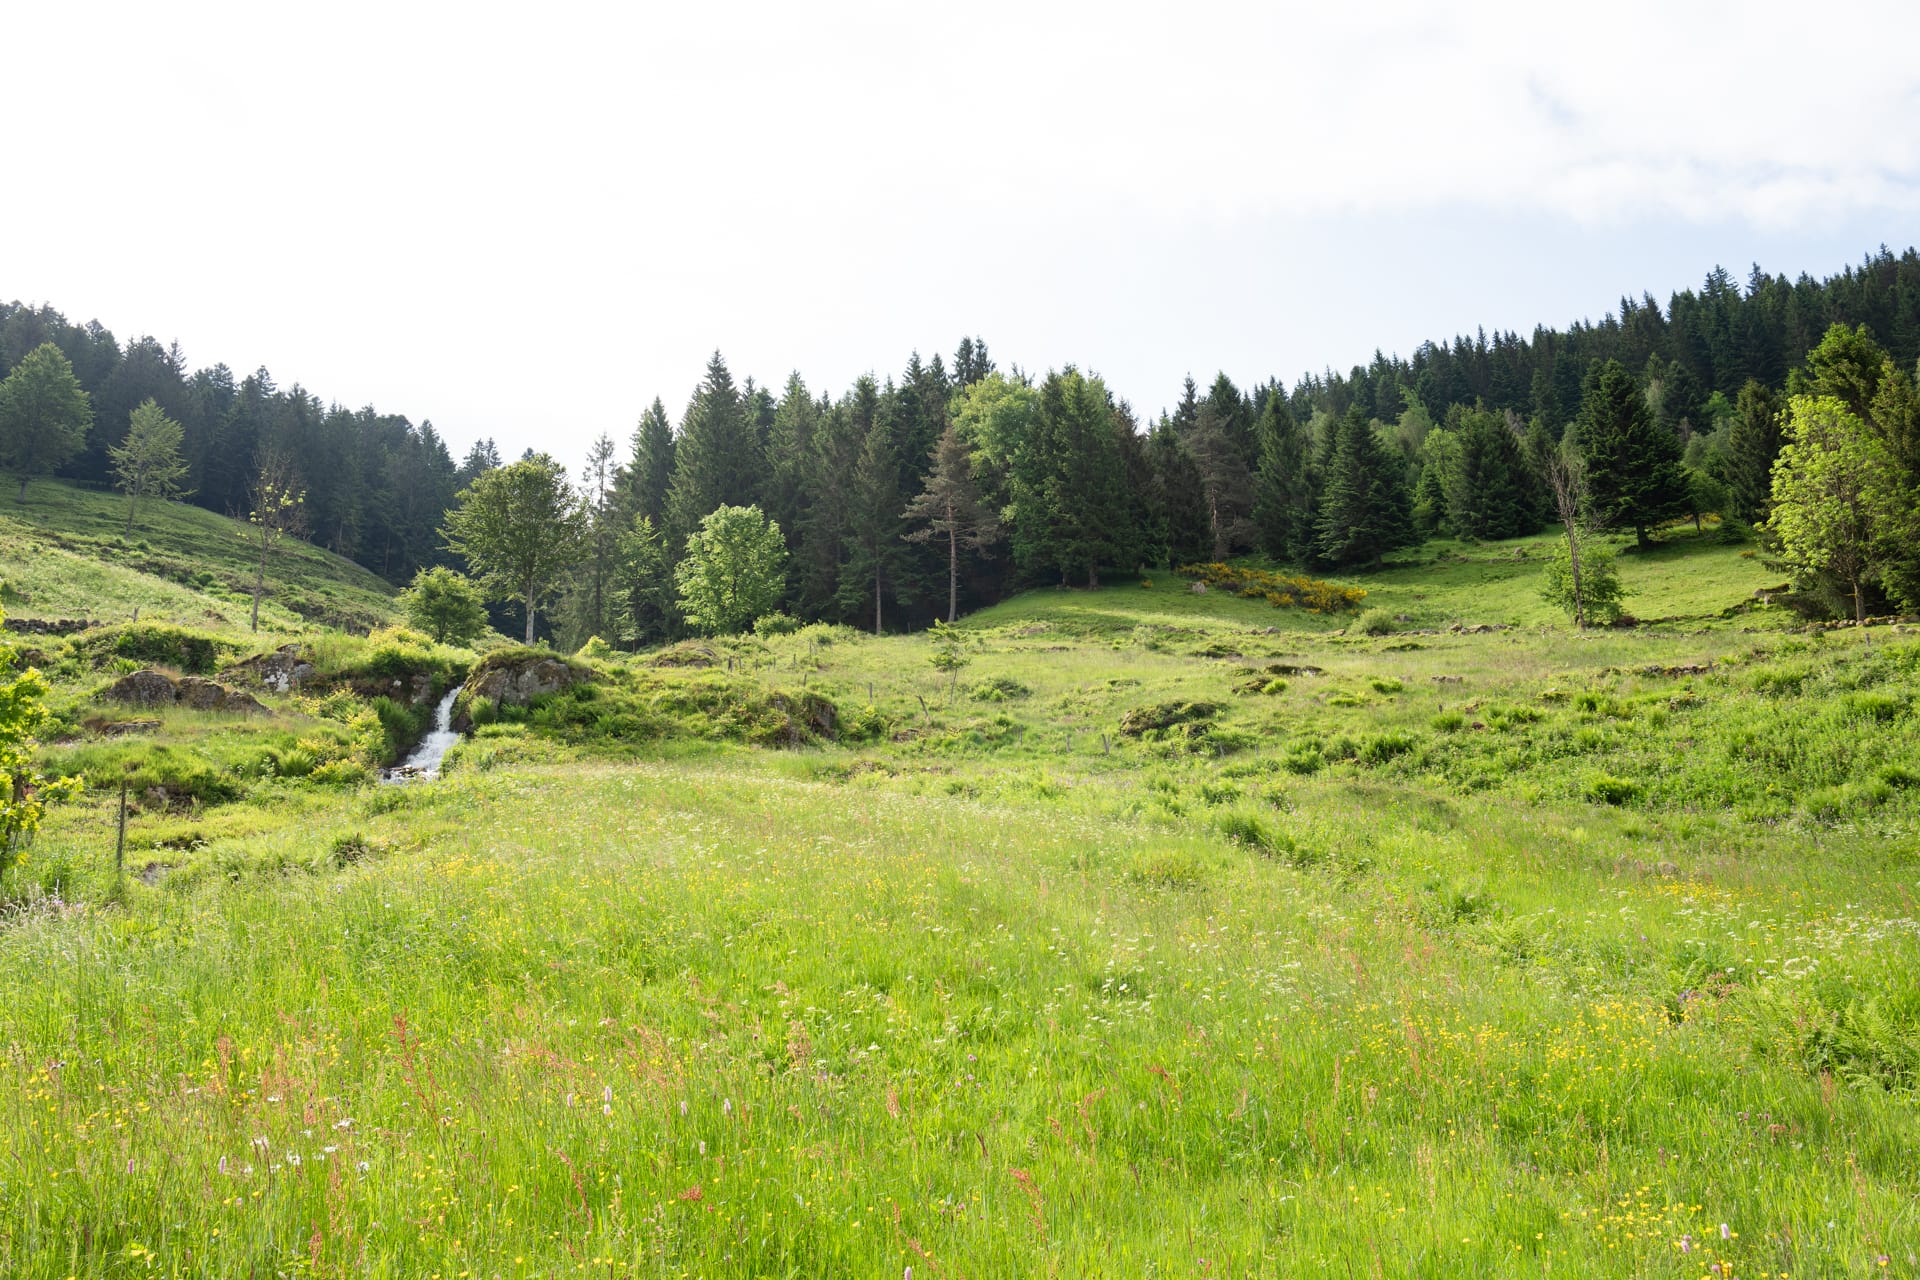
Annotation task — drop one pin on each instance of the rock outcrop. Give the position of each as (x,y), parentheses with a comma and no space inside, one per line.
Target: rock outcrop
(283,671)
(515,679)
(158,689)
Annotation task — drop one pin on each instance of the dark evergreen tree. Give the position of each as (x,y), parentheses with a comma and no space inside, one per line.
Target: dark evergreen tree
(1178,497)
(1283,488)
(1365,509)
(1753,442)
(1633,475)
(717,460)
(873,554)
(645,479)
(948,511)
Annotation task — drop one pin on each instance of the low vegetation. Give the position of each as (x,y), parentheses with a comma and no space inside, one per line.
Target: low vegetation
(802,953)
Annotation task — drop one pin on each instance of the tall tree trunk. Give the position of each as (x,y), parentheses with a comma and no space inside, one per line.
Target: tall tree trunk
(23,489)
(529,598)
(876,599)
(131,499)
(1859,605)
(953,568)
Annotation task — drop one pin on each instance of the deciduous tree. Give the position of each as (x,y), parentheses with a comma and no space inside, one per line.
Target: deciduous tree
(147,464)
(44,415)
(732,572)
(519,528)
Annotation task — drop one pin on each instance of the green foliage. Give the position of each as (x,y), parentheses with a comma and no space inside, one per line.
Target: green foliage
(732,572)
(445,604)
(44,415)
(519,528)
(153,644)
(643,584)
(1634,479)
(1600,596)
(1365,508)
(148,463)
(25,791)
(1375,622)
(1281,590)
(776,624)
(1839,505)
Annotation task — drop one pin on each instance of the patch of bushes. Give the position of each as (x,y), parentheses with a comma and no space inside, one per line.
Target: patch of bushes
(1604,788)
(998,689)
(1375,622)
(1282,591)
(151,644)
(1382,747)
(1162,716)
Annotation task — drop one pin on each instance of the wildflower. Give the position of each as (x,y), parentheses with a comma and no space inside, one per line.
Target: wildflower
(363,1166)
(343,1124)
(726,1106)
(1724,1233)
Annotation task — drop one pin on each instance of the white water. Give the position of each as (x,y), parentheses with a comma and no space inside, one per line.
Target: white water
(424,760)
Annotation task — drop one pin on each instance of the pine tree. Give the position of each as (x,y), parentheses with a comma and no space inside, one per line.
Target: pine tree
(483,457)
(1753,442)
(1633,473)
(644,480)
(948,509)
(1177,497)
(1365,510)
(1282,487)
(789,445)
(873,553)
(717,458)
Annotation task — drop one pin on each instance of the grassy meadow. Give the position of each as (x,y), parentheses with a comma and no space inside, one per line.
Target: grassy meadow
(1173,934)
(65,553)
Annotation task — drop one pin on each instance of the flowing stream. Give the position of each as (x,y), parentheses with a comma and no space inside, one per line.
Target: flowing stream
(423,762)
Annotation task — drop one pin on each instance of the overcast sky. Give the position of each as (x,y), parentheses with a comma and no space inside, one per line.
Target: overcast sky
(527,221)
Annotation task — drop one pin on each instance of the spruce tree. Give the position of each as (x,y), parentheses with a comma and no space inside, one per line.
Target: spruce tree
(648,472)
(717,458)
(1178,497)
(1365,509)
(872,555)
(789,444)
(948,510)
(1633,472)
(1753,442)
(1282,487)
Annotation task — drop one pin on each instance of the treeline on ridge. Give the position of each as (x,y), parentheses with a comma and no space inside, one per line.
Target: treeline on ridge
(960,481)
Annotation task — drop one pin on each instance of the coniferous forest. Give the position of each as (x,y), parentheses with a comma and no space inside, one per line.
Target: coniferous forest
(955,481)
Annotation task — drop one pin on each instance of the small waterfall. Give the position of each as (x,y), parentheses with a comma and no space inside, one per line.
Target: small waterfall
(423,761)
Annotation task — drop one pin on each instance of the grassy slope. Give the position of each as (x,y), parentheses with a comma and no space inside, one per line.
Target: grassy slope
(999,996)
(64,554)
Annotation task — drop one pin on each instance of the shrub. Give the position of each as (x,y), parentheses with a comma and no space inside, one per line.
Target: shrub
(1282,591)
(150,644)
(1386,684)
(1607,789)
(1382,747)
(595,647)
(446,605)
(997,689)
(775,624)
(1600,590)
(1449,722)
(1374,622)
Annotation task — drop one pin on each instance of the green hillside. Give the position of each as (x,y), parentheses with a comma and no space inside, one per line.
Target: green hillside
(64,553)
(1172,933)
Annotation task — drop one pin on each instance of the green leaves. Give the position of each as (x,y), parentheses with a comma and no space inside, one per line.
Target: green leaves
(1838,502)
(733,570)
(519,527)
(44,415)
